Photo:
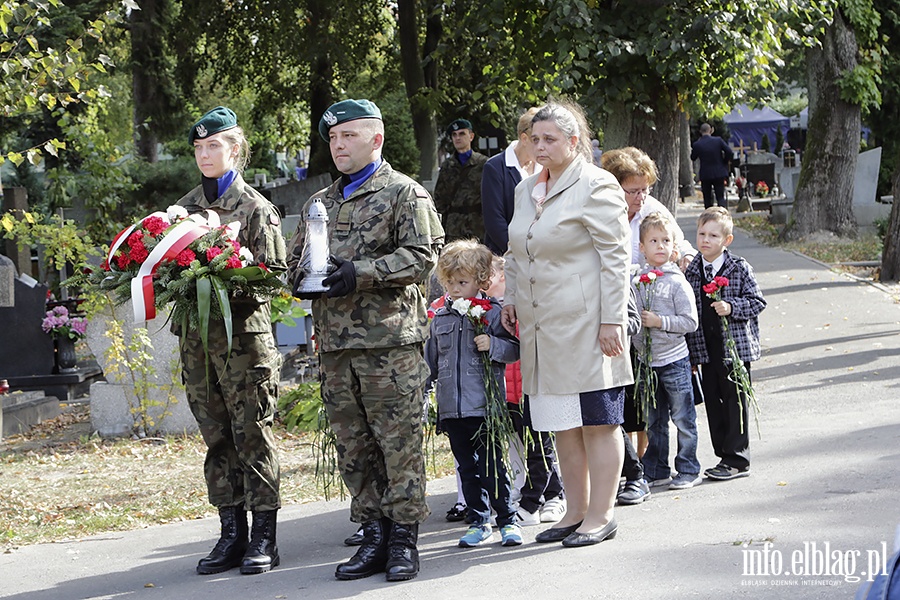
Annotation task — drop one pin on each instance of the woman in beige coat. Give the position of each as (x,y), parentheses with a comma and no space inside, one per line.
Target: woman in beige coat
(567,286)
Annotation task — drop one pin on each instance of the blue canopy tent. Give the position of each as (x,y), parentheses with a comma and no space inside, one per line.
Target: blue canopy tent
(748,126)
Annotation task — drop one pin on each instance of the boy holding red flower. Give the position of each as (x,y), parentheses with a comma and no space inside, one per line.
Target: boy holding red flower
(716,272)
(467,325)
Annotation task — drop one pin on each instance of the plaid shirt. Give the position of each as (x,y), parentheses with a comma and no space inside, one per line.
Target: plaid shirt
(746,300)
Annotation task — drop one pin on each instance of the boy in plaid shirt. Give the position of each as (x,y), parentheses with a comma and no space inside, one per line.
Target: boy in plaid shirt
(741,302)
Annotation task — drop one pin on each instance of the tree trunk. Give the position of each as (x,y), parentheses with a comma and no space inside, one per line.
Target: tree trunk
(685,168)
(890,258)
(144,84)
(824,195)
(419,74)
(321,87)
(660,139)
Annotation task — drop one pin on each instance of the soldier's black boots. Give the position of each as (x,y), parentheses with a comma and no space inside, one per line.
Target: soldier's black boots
(262,555)
(232,544)
(403,556)
(372,555)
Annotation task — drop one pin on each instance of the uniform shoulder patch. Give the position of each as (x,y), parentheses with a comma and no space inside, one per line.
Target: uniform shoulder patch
(273,219)
(421,192)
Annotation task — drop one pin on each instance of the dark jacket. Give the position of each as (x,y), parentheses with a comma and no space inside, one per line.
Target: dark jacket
(714,155)
(746,300)
(498,199)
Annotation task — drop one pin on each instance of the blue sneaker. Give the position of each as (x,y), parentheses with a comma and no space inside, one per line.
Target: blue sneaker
(511,534)
(476,535)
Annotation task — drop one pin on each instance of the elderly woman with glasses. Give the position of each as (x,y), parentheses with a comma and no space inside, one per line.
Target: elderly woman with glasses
(637,173)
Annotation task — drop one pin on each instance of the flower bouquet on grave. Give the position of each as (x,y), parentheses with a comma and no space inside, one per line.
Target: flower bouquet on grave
(190,261)
(762,189)
(645,378)
(497,427)
(739,374)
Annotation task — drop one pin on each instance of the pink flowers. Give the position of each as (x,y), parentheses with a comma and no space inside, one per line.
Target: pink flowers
(58,323)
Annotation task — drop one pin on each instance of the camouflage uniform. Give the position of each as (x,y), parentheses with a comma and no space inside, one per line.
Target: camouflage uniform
(234,408)
(371,341)
(457,197)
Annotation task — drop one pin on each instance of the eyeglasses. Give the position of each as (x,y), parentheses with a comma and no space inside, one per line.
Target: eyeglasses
(642,191)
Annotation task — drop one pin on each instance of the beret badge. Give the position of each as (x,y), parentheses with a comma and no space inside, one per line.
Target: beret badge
(329,118)
(201,131)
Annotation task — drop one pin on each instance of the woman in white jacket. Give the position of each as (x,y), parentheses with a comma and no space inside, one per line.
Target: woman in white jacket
(567,282)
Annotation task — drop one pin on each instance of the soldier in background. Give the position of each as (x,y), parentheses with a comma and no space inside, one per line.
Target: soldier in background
(370,328)
(457,193)
(233,398)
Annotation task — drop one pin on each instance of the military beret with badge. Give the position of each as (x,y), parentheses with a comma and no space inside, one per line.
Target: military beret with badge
(347,110)
(459,124)
(214,121)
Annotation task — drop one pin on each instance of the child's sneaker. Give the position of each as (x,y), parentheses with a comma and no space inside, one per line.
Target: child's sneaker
(476,535)
(553,510)
(724,472)
(511,534)
(457,513)
(526,518)
(634,492)
(683,481)
(662,482)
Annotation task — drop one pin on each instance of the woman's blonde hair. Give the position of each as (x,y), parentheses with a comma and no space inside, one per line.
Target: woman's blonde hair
(235,136)
(629,162)
(467,256)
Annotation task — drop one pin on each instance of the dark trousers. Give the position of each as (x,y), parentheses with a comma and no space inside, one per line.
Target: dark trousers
(632,468)
(485,482)
(725,412)
(707,186)
(541,479)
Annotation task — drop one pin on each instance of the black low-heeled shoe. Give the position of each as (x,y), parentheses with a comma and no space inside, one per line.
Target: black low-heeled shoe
(556,534)
(576,539)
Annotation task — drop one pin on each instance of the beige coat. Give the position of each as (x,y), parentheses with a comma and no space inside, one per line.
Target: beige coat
(567,271)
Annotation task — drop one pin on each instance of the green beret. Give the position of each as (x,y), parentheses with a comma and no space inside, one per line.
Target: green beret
(347,110)
(459,124)
(218,119)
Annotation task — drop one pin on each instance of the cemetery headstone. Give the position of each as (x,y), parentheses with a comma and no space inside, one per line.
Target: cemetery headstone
(24,347)
(7,282)
(866,209)
(16,199)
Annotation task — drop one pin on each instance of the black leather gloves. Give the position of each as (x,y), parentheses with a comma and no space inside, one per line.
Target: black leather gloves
(342,280)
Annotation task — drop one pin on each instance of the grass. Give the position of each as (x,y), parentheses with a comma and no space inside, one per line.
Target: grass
(61,483)
(830,250)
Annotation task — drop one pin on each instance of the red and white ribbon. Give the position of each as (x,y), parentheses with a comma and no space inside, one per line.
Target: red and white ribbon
(176,239)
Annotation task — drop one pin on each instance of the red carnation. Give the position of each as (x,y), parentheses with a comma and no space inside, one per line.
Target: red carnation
(237,246)
(104,265)
(710,288)
(721,281)
(136,239)
(213,252)
(185,257)
(263,267)
(139,254)
(234,262)
(155,225)
(122,260)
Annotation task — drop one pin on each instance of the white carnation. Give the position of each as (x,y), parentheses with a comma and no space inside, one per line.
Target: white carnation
(461,305)
(176,213)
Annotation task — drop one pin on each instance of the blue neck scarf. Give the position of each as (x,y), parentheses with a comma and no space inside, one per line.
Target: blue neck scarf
(218,186)
(353,181)
(464,157)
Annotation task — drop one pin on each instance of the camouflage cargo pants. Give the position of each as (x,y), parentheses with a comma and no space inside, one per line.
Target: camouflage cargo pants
(374,402)
(235,417)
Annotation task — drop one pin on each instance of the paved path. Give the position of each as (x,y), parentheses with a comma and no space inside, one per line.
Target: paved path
(826,476)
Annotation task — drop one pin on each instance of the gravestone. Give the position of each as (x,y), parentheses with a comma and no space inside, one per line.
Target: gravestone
(21,410)
(16,200)
(110,408)
(866,208)
(7,282)
(25,349)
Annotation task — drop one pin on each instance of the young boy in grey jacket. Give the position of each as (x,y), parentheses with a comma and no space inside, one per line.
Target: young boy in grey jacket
(454,354)
(668,312)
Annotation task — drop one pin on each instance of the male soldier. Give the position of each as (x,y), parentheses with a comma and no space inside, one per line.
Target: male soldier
(370,326)
(457,193)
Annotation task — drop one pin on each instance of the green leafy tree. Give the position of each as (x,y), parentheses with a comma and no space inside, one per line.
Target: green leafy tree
(39,76)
